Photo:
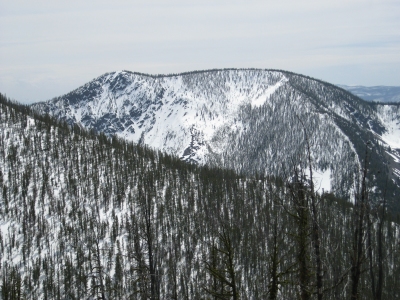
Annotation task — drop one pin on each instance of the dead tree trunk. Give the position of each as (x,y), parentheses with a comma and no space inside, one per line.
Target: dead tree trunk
(314,220)
(358,256)
(301,216)
(223,276)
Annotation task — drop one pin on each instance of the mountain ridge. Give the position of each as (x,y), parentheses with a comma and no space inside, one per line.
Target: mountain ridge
(243,119)
(381,93)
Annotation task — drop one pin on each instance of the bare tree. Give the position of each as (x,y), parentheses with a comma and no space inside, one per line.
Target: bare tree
(377,280)
(358,255)
(221,268)
(314,219)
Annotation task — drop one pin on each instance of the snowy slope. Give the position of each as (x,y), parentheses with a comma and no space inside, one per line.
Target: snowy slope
(86,217)
(389,115)
(167,112)
(248,120)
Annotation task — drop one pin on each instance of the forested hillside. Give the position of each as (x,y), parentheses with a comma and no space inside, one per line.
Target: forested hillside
(248,120)
(84,216)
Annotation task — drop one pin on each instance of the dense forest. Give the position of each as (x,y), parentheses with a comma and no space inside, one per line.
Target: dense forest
(85,216)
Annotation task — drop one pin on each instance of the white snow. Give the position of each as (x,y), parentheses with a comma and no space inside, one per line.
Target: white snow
(322,180)
(395,158)
(391,120)
(171,113)
(257,102)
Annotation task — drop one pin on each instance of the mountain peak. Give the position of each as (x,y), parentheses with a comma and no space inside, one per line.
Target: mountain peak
(250,120)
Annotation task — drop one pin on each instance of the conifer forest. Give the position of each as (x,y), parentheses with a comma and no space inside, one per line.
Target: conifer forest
(88,216)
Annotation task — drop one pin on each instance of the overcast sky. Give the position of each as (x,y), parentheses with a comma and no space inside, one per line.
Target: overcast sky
(48,48)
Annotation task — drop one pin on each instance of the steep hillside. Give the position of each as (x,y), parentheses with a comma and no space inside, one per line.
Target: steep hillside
(252,121)
(87,217)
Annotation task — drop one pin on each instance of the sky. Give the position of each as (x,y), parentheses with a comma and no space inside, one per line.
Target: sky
(49,48)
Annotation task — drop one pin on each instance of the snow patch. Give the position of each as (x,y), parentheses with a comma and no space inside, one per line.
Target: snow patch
(322,181)
(391,121)
(257,102)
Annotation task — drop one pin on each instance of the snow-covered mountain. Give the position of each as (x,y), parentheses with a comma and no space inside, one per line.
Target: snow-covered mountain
(87,217)
(249,120)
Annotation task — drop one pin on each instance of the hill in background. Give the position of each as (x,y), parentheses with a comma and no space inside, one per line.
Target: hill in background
(249,120)
(384,94)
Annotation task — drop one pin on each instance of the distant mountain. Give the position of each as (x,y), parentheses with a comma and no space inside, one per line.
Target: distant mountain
(252,121)
(375,93)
